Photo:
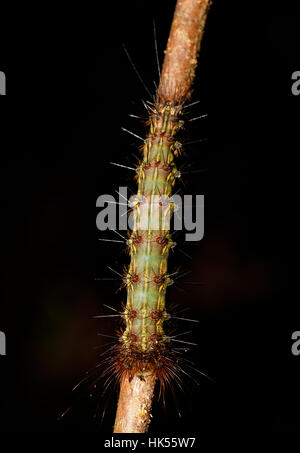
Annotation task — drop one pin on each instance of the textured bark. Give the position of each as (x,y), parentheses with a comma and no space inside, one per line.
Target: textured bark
(182,50)
(134,406)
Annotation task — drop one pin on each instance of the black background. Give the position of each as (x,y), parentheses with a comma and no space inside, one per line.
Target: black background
(70,88)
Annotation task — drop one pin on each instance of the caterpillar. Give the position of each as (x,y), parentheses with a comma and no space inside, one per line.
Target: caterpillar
(144,353)
(144,350)
(143,345)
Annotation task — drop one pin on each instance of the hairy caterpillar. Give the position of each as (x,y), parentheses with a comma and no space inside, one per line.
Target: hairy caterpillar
(144,348)
(143,351)
(143,345)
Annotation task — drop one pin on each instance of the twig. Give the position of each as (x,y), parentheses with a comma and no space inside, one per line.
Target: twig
(133,414)
(180,60)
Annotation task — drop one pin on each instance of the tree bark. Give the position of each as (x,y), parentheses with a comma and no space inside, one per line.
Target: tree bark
(183,46)
(134,406)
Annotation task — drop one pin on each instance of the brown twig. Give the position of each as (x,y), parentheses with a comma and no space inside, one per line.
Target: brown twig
(182,50)
(135,398)
(133,413)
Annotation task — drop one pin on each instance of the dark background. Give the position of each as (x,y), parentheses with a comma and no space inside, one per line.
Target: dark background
(70,88)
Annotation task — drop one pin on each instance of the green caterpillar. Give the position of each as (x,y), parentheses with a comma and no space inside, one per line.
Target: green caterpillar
(144,347)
